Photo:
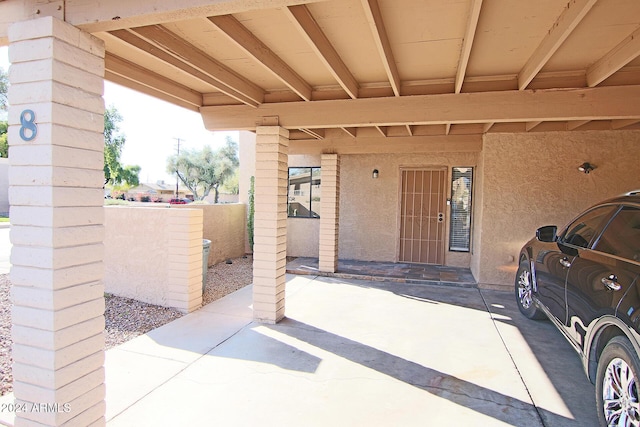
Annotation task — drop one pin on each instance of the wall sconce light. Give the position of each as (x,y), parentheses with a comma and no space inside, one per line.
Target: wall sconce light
(374,174)
(586,167)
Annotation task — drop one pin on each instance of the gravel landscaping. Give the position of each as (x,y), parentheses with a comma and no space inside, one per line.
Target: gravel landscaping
(125,318)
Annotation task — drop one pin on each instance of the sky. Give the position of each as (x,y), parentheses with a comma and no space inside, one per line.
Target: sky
(152,128)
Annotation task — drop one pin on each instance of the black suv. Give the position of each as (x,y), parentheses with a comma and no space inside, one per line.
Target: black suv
(585,279)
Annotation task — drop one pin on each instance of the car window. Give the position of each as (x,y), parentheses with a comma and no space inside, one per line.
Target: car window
(582,230)
(622,235)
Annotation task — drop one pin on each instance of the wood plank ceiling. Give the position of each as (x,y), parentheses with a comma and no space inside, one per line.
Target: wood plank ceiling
(395,67)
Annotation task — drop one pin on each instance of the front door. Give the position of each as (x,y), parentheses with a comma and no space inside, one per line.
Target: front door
(422,211)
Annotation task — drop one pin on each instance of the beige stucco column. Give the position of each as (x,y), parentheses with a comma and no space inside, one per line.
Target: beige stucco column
(329,213)
(56,160)
(270,226)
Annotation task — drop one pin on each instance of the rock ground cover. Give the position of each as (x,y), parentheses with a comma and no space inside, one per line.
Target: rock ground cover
(126,318)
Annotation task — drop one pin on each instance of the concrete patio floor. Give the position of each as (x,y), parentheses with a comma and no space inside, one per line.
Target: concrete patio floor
(352,353)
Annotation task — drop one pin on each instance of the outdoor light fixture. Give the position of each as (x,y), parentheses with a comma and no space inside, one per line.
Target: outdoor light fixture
(586,167)
(374,174)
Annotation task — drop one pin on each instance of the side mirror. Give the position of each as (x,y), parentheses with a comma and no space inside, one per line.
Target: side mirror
(547,233)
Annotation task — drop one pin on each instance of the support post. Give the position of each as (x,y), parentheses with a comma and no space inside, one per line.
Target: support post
(270,229)
(56,121)
(329,213)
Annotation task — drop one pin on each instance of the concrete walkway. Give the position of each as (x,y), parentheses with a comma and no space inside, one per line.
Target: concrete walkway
(352,353)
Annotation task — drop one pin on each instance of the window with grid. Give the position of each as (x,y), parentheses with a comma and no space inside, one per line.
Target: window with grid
(303,200)
(461,192)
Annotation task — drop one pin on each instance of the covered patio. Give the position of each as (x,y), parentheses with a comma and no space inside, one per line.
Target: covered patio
(400,104)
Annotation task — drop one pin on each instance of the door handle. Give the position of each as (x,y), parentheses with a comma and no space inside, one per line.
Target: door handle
(565,262)
(440,216)
(611,282)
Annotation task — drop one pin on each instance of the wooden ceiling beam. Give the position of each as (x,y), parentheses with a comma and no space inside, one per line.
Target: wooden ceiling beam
(568,20)
(529,126)
(351,131)
(120,14)
(374,17)
(383,130)
(154,82)
(176,46)
(409,129)
(601,103)
(254,47)
(381,145)
(137,86)
(151,49)
(620,124)
(315,133)
(575,124)
(467,44)
(310,29)
(625,52)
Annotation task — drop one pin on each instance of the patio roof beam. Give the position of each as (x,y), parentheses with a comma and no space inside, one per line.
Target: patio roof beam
(620,124)
(351,131)
(572,125)
(568,20)
(151,49)
(382,145)
(625,52)
(124,72)
(180,49)
(310,29)
(465,53)
(600,103)
(529,126)
(374,17)
(248,42)
(121,14)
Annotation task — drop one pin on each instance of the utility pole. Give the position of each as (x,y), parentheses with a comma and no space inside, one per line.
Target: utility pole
(177,176)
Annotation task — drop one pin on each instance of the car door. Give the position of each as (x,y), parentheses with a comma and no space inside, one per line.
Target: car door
(600,276)
(553,265)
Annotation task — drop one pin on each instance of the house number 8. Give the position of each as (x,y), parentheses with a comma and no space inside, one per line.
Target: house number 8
(28,128)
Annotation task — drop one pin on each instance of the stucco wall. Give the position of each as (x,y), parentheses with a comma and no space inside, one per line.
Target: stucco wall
(532,180)
(225,226)
(154,255)
(303,237)
(369,228)
(4,186)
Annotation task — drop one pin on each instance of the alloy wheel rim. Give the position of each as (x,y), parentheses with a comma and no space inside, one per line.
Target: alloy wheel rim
(524,289)
(620,395)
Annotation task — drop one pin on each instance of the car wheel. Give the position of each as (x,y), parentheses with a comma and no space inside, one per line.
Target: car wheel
(524,293)
(617,384)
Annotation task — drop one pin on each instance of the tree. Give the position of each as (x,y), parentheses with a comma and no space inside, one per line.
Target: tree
(4,144)
(204,170)
(114,172)
(4,125)
(4,87)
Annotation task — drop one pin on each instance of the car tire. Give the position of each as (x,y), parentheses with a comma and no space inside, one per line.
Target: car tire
(617,383)
(524,293)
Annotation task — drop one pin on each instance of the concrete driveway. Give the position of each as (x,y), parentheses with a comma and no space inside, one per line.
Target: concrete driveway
(352,353)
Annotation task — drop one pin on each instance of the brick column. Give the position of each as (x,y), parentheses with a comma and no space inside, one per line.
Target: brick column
(270,229)
(57,213)
(329,213)
(185,259)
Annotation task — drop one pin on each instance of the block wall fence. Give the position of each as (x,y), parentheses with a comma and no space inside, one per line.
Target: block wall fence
(154,254)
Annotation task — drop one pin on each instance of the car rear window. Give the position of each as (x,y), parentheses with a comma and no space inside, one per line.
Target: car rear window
(622,235)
